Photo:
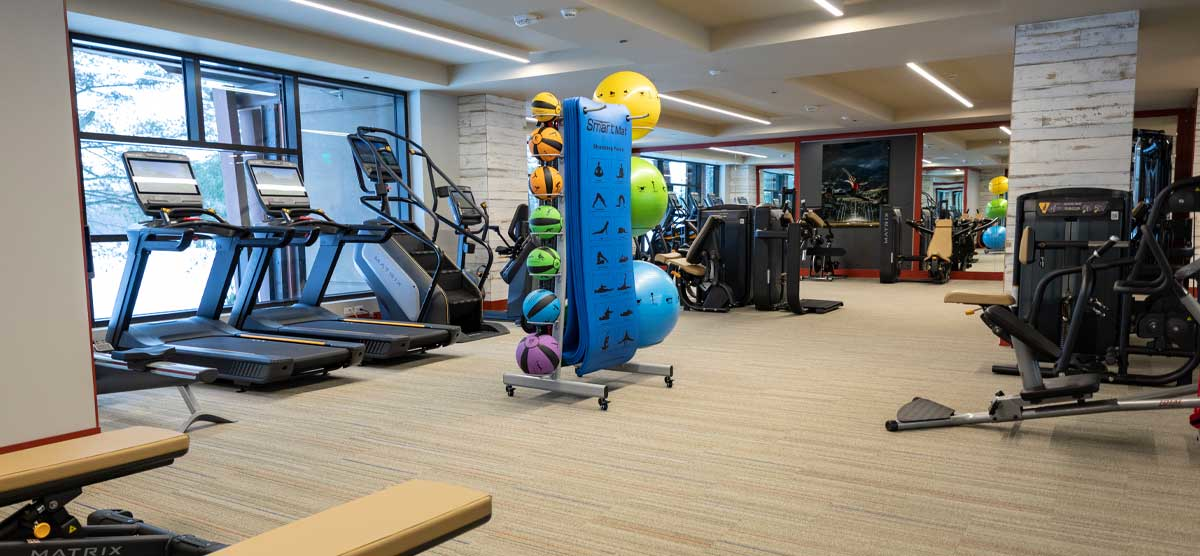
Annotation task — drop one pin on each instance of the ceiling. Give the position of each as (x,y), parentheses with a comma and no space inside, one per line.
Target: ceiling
(786,61)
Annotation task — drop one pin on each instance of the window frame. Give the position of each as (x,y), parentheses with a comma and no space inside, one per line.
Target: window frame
(292,144)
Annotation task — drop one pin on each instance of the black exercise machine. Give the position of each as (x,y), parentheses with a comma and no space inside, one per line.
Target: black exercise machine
(777,258)
(1149,274)
(280,190)
(699,271)
(165,188)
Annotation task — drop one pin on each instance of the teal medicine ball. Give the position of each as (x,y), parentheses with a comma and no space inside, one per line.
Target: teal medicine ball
(545,222)
(541,307)
(543,262)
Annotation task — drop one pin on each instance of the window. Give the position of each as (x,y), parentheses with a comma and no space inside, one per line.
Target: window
(131,97)
(687,177)
(329,112)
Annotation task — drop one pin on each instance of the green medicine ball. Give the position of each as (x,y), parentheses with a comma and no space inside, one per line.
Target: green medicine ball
(545,222)
(543,262)
(997,208)
(648,202)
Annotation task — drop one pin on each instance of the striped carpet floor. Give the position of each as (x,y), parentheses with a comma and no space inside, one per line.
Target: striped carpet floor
(771,443)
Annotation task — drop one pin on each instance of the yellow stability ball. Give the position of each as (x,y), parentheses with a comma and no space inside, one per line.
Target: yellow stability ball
(637,93)
(998,185)
(545,107)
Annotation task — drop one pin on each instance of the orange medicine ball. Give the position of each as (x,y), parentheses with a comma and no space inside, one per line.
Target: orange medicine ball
(546,143)
(545,183)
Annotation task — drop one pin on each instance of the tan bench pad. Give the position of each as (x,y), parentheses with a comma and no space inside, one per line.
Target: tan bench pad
(89,454)
(662,258)
(977,298)
(388,523)
(682,264)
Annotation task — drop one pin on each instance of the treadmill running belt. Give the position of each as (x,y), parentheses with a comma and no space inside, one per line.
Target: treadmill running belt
(417,337)
(305,356)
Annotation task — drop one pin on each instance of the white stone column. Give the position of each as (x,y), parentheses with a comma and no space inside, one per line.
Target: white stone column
(1072,112)
(491,154)
(739,182)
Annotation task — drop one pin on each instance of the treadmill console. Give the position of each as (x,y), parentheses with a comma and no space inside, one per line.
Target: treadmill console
(162,180)
(278,185)
(372,151)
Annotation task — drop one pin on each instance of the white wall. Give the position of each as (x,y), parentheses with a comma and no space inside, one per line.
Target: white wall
(48,386)
(433,123)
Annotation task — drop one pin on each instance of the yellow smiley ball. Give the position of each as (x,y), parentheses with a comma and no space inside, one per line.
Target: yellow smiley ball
(637,93)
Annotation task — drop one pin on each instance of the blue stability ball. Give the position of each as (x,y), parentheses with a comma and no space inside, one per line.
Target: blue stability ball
(657,303)
(994,237)
(541,307)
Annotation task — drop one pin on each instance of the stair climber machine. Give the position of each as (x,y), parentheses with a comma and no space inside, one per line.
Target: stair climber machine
(280,189)
(411,276)
(165,188)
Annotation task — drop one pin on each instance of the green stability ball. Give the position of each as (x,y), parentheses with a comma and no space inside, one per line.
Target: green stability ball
(648,202)
(997,208)
(545,222)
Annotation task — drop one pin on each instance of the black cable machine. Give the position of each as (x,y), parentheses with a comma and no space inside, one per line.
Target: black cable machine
(1149,273)
(280,189)
(778,253)
(165,188)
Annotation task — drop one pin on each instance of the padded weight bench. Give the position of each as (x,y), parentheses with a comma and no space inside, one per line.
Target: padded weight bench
(978,298)
(404,519)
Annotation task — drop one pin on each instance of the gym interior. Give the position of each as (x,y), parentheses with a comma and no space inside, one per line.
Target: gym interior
(350,277)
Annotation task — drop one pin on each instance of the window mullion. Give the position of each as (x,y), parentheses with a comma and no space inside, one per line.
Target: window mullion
(194,97)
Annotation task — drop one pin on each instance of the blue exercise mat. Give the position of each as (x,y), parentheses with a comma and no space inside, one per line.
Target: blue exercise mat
(601,329)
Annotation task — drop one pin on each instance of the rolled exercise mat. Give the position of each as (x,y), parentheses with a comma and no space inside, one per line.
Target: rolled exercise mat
(601,328)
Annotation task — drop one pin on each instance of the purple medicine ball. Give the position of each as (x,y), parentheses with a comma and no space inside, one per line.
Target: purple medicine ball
(538,354)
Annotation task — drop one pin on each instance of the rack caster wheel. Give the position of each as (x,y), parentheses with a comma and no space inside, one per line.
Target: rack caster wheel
(510,390)
(603,404)
(670,381)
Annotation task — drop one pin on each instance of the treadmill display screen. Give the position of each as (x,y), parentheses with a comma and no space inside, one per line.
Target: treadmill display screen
(273,181)
(168,177)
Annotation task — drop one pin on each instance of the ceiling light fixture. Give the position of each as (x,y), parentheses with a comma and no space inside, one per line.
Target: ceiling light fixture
(831,6)
(410,30)
(233,89)
(323,132)
(926,161)
(531,119)
(1005,129)
(739,153)
(938,82)
(714,109)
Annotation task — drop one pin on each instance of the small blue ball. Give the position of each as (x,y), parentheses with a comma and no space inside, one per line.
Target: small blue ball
(541,307)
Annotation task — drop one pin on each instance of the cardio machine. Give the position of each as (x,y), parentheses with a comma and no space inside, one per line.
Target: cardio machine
(411,275)
(1150,274)
(280,189)
(165,188)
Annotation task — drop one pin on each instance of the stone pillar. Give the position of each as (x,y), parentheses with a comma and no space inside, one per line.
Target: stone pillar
(1072,111)
(491,155)
(739,182)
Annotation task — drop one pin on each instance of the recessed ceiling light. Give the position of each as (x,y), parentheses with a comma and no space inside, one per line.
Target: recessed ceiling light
(714,109)
(831,6)
(938,82)
(1005,129)
(740,153)
(410,30)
